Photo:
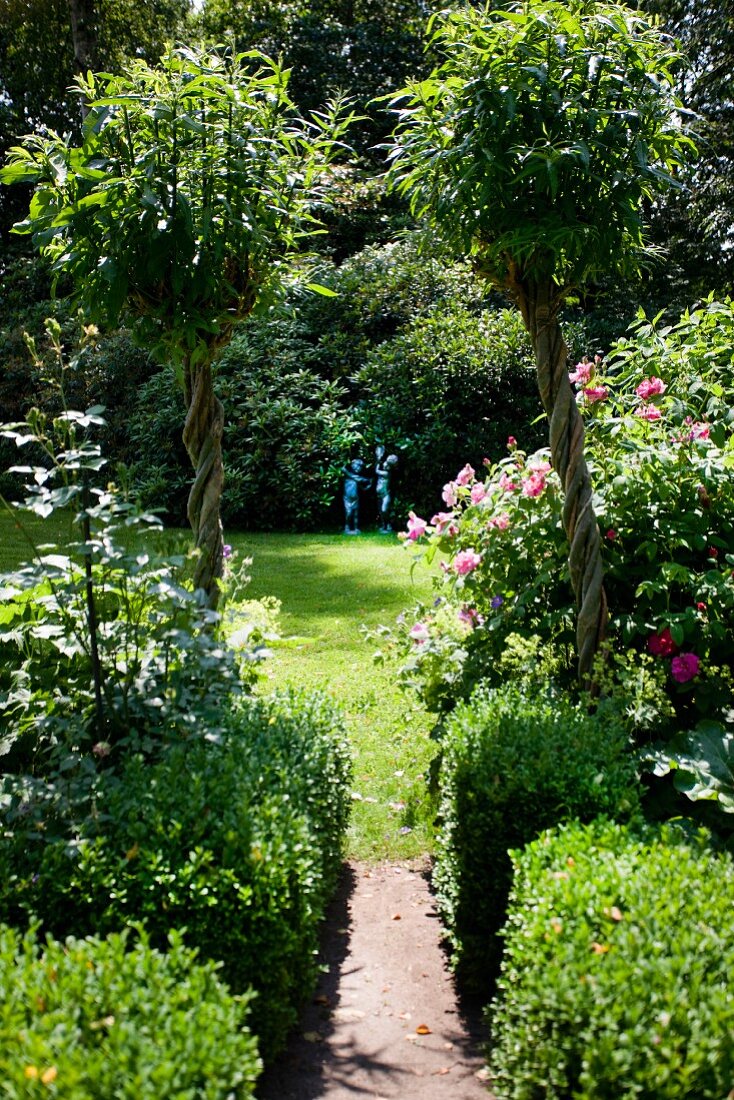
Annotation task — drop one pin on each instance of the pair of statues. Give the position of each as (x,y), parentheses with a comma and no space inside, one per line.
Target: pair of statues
(356,480)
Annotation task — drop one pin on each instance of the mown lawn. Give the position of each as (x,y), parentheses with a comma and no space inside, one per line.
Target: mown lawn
(330,587)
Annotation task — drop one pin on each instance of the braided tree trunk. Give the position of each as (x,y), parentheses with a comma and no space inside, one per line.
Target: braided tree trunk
(202,436)
(566,431)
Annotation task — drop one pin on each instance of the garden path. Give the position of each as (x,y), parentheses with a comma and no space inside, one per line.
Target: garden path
(385,1022)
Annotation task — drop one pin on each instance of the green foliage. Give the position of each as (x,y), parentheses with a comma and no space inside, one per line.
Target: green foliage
(235,840)
(536,140)
(516,760)
(702,761)
(100,1018)
(616,979)
(103,646)
(192,181)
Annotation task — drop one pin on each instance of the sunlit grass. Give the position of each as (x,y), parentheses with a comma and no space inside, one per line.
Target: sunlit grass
(330,587)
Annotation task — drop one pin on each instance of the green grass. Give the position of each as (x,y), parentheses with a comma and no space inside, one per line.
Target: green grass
(330,586)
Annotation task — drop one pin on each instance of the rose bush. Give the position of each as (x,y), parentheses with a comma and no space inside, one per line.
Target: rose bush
(659,415)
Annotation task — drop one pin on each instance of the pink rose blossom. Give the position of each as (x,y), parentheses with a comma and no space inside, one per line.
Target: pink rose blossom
(478,493)
(443,520)
(511,443)
(465,476)
(465,562)
(471,616)
(416,526)
(534,485)
(595,393)
(700,431)
(650,387)
(662,644)
(583,373)
(506,484)
(501,522)
(648,412)
(611,534)
(419,633)
(540,466)
(448,495)
(685,667)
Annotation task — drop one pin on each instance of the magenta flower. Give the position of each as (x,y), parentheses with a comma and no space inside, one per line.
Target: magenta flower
(419,633)
(501,522)
(416,526)
(448,496)
(534,485)
(465,562)
(650,387)
(700,431)
(611,534)
(685,667)
(443,520)
(465,476)
(511,443)
(595,393)
(582,374)
(648,412)
(506,484)
(478,493)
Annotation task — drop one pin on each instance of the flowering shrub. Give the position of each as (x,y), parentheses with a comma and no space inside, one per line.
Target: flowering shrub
(659,415)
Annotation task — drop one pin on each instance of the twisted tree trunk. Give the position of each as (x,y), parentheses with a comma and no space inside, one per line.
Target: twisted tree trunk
(202,436)
(539,303)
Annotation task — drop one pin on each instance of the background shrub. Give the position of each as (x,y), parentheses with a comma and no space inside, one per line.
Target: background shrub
(616,979)
(96,1019)
(237,840)
(516,760)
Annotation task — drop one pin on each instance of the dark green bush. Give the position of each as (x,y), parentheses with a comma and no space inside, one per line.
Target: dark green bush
(516,760)
(237,840)
(90,1019)
(616,979)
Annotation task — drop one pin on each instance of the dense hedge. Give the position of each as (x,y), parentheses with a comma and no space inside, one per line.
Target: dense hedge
(616,980)
(95,1019)
(516,760)
(237,841)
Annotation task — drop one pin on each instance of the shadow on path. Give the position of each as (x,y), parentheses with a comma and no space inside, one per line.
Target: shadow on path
(384,1023)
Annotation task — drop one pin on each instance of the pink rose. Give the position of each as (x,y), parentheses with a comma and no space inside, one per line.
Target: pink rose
(506,484)
(611,534)
(465,562)
(700,431)
(419,633)
(478,493)
(650,387)
(648,412)
(540,466)
(595,393)
(465,476)
(583,373)
(448,496)
(501,522)
(685,667)
(471,616)
(442,520)
(511,443)
(416,526)
(534,485)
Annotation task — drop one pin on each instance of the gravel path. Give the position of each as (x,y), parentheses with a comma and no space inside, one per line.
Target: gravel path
(385,1021)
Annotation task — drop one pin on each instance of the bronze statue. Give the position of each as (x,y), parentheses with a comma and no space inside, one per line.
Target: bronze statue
(354,480)
(383,470)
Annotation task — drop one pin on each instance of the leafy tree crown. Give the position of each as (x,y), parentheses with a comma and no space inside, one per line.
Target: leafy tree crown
(537,138)
(192,182)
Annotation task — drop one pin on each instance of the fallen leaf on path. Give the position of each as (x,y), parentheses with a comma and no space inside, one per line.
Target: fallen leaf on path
(423,1029)
(441,1071)
(397,917)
